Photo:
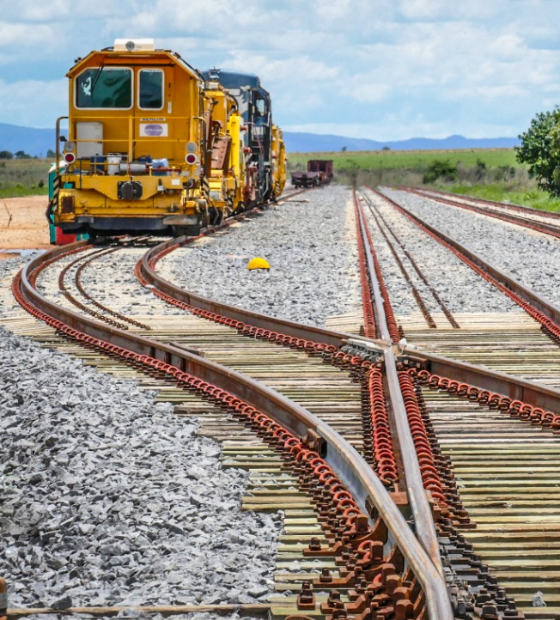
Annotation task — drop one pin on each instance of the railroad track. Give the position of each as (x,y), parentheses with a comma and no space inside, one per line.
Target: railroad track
(505,469)
(326,423)
(533,219)
(174,350)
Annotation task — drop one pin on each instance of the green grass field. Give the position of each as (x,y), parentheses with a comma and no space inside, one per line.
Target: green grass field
(492,174)
(411,160)
(535,198)
(23,177)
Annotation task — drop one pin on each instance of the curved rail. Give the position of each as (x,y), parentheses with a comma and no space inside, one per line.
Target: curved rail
(496,382)
(515,388)
(340,456)
(283,326)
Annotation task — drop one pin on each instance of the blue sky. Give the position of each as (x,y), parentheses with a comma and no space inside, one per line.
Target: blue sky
(379,69)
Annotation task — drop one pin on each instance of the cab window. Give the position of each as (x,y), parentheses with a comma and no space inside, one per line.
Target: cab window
(150,89)
(261,107)
(104,87)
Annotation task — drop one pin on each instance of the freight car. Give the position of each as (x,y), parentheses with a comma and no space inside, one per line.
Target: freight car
(319,172)
(154,147)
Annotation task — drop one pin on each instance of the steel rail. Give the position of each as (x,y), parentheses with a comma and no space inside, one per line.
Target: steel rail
(538,226)
(377,214)
(417,494)
(549,310)
(484,378)
(514,387)
(505,206)
(338,453)
(418,498)
(379,309)
(283,198)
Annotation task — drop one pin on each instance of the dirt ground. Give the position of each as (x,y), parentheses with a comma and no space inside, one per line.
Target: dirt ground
(23,225)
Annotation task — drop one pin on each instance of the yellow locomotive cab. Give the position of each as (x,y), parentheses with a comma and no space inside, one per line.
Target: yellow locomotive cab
(133,156)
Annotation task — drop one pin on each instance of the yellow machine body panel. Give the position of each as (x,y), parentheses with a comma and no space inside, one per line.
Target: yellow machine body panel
(225,143)
(237,159)
(279,160)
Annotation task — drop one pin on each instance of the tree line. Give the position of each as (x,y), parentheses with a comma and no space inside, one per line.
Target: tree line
(23,155)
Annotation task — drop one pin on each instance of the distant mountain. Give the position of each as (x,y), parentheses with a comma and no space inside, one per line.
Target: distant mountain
(313,143)
(29,139)
(37,141)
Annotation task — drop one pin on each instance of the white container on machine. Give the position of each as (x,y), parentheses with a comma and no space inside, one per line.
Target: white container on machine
(90,140)
(113,163)
(133,168)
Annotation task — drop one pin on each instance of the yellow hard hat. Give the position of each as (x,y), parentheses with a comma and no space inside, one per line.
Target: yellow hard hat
(258,263)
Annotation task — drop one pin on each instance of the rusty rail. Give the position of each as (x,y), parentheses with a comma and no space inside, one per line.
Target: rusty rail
(504,206)
(539,226)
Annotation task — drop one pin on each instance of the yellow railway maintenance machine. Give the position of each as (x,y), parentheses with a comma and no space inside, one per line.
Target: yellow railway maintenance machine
(138,157)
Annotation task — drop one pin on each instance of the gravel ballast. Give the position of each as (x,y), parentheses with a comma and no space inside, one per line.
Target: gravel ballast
(458,286)
(106,498)
(530,257)
(110,279)
(311,248)
(8,269)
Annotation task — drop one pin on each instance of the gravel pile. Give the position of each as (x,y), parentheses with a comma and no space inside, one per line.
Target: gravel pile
(106,498)
(458,286)
(311,249)
(530,257)
(8,269)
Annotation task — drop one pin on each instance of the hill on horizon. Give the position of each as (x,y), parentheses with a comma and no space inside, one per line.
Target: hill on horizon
(37,142)
(316,143)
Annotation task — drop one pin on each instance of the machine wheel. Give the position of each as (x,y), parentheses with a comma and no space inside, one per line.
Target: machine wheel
(187,231)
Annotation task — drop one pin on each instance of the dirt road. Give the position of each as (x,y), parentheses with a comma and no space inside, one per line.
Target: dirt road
(23,225)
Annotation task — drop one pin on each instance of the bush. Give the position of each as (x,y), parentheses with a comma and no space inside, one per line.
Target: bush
(537,150)
(440,169)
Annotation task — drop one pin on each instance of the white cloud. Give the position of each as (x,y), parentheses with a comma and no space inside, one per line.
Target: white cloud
(33,103)
(416,66)
(422,9)
(368,92)
(447,10)
(17,36)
